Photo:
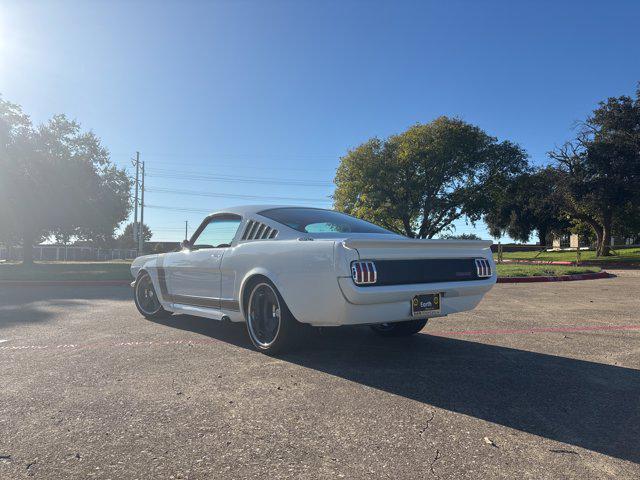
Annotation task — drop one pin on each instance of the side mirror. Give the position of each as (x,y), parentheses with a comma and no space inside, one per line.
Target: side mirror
(185,244)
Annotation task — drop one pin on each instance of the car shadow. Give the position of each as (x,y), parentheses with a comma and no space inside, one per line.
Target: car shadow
(585,404)
(26,305)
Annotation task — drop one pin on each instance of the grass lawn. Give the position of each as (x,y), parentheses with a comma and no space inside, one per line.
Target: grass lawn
(112,270)
(621,255)
(119,270)
(514,270)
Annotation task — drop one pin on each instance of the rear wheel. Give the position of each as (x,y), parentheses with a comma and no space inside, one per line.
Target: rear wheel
(146,299)
(399,329)
(270,325)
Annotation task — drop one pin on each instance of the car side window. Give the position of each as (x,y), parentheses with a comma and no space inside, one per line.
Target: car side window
(218,233)
(324,227)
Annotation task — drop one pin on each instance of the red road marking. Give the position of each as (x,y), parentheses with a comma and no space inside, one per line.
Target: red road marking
(441,333)
(507,331)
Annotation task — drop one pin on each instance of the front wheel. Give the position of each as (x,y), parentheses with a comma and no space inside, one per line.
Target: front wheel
(399,329)
(147,302)
(270,325)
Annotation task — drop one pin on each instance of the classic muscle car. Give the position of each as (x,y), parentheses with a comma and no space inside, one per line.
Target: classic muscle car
(277,267)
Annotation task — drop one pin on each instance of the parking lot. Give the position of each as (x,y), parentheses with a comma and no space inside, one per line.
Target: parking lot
(541,381)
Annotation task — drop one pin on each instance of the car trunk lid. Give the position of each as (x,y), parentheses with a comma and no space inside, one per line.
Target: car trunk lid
(398,248)
(400,261)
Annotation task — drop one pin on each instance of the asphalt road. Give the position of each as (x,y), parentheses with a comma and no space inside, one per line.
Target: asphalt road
(541,381)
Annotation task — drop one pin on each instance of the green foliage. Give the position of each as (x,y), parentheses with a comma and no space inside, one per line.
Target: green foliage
(126,240)
(520,270)
(584,231)
(57,180)
(421,181)
(461,236)
(526,204)
(620,255)
(77,271)
(600,180)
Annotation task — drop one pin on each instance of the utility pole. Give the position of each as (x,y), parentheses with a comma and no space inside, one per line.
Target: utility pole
(186,228)
(141,230)
(135,201)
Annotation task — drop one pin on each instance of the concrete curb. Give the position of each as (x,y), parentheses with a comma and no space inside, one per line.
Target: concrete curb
(559,278)
(64,283)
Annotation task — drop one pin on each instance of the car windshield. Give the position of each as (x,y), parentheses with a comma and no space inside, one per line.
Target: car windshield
(316,220)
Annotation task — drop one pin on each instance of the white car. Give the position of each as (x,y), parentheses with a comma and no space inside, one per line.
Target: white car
(276,267)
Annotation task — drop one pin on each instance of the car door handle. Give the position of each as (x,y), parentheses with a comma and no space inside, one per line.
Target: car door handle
(216,255)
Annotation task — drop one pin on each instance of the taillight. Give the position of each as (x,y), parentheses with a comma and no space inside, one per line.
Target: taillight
(483,268)
(364,273)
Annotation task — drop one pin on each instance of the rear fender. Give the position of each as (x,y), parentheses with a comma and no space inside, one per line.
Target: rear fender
(259,271)
(305,275)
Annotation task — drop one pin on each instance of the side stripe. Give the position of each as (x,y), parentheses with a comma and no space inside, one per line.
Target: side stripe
(230,305)
(162,278)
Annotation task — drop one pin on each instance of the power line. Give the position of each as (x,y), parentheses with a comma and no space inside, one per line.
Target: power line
(179,162)
(168,173)
(226,179)
(239,156)
(234,195)
(178,209)
(255,181)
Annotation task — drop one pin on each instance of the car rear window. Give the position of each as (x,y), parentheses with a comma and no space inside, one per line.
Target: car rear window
(316,220)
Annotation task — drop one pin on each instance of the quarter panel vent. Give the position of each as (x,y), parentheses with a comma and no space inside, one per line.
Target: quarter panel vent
(258,231)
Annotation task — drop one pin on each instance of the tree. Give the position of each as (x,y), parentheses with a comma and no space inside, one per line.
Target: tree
(600,169)
(584,232)
(421,181)
(126,240)
(56,181)
(461,236)
(528,203)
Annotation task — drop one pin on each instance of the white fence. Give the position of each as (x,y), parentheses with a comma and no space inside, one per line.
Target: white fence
(68,253)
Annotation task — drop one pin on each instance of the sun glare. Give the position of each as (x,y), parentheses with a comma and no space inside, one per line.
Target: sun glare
(4,40)
(3,30)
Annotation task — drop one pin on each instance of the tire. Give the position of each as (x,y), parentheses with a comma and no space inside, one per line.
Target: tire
(270,325)
(146,299)
(400,329)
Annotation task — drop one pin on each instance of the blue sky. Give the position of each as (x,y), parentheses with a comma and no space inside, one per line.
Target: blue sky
(218,94)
